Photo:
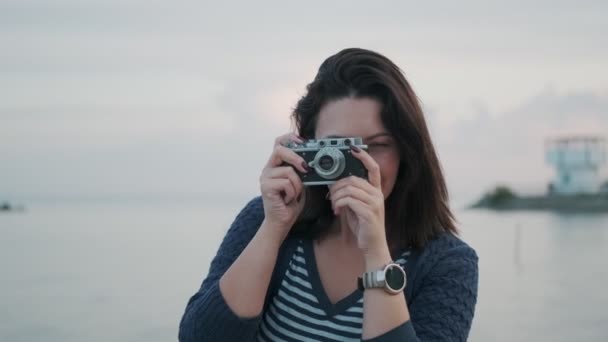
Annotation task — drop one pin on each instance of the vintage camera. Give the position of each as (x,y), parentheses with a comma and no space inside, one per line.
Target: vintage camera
(329,159)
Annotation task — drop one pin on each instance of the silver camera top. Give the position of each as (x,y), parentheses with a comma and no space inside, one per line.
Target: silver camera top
(317,144)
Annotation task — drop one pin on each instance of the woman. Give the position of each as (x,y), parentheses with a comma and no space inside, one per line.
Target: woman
(289,265)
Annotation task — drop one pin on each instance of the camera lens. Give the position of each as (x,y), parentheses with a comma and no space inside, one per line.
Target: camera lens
(329,163)
(326,162)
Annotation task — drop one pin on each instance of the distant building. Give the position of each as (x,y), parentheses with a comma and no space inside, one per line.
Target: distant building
(577,160)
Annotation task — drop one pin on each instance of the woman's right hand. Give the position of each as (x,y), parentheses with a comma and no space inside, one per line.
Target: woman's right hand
(282,189)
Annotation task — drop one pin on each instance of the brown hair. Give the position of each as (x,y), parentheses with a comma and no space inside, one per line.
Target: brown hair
(417,209)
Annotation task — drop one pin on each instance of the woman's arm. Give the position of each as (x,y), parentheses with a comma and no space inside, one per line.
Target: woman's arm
(245,283)
(229,303)
(208,315)
(443,308)
(382,311)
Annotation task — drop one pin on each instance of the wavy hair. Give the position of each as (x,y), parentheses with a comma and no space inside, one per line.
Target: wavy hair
(417,209)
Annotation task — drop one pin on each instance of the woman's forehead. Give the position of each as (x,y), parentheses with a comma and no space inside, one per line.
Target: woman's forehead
(350,117)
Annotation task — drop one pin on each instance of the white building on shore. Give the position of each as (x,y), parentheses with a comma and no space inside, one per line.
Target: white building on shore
(577,161)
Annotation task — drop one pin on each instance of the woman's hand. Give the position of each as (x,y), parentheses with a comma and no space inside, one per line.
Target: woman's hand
(361,204)
(282,188)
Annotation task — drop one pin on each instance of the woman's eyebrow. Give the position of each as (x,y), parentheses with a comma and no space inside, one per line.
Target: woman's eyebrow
(377,135)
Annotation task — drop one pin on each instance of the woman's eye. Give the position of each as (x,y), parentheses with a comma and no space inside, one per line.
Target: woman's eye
(378,145)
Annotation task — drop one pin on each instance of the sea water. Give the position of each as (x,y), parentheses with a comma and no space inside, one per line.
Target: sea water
(123,270)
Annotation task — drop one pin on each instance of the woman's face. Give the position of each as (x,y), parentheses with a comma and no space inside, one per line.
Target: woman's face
(360,117)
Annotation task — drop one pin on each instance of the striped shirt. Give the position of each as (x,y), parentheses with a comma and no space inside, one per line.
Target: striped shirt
(301,310)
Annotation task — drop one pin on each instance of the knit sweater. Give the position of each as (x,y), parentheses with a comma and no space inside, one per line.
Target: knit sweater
(441,290)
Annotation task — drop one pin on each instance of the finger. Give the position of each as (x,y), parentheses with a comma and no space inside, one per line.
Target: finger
(283,154)
(354,192)
(286,138)
(286,188)
(278,187)
(353,181)
(373,170)
(289,173)
(359,208)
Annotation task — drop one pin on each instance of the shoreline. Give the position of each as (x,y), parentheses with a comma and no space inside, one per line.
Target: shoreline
(582,203)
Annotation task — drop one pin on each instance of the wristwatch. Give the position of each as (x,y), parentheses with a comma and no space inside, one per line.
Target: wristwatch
(391,278)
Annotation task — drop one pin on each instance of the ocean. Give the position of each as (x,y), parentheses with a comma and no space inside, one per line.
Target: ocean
(123,270)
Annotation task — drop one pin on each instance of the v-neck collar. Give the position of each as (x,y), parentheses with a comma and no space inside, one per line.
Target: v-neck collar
(315,279)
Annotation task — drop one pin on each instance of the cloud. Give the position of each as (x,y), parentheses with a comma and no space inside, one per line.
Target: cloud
(134,95)
(491,148)
(217,146)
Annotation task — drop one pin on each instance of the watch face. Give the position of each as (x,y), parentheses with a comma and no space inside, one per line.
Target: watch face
(395,278)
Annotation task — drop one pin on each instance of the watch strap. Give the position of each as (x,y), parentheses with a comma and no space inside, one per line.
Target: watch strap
(376,279)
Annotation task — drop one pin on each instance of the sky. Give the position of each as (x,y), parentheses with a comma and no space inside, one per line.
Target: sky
(184,98)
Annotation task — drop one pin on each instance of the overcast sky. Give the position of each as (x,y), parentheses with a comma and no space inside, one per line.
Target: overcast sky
(117,97)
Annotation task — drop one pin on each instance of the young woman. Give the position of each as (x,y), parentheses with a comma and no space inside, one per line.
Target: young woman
(373,259)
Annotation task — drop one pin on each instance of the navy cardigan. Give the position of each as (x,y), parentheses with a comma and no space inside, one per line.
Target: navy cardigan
(441,291)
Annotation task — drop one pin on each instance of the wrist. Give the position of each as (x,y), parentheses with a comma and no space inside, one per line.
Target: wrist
(272,233)
(377,258)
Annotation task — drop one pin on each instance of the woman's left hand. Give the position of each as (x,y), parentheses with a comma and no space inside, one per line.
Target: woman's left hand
(361,204)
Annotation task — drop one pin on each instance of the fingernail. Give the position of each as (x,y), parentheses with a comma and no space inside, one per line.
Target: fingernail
(355,148)
(327,195)
(305,166)
(299,137)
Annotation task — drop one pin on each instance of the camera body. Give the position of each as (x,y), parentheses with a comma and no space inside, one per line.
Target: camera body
(329,159)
